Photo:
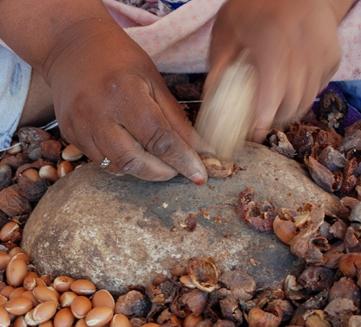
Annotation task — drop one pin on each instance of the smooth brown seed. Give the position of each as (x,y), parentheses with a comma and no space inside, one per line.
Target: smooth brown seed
(8,231)
(64,318)
(45,294)
(71,153)
(29,295)
(3,300)
(4,318)
(30,280)
(22,256)
(16,272)
(150,324)
(20,322)
(4,260)
(67,298)
(17,292)
(18,306)
(81,323)
(80,307)
(47,324)
(64,168)
(49,172)
(99,316)
(7,290)
(103,298)
(44,311)
(62,283)
(120,320)
(32,174)
(83,287)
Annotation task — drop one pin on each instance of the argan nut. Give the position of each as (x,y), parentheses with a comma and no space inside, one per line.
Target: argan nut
(259,318)
(16,250)
(18,306)
(67,298)
(81,323)
(64,318)
(64,168)
(47,324)
(7,290)
(32,174)
(62,283)
(21,255)
(49,172)
(99,316)
(44,311)
(285,230)
(20,322)
(45,294)
(191,321)
(4,318)
(120,320)
(8,231)
(3,300)
(29,295)
(30,280)
(46,279)
(71,153)
(17,292)
(103,298)
(80,307)
(83,287)
(4,260)
(150,324)
(16,272)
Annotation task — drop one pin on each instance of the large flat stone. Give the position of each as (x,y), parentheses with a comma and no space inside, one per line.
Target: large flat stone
(120,231)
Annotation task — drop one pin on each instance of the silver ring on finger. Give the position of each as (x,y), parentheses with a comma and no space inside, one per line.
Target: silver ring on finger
(105,163)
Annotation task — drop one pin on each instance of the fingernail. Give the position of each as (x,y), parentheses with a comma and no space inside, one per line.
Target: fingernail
(198,179)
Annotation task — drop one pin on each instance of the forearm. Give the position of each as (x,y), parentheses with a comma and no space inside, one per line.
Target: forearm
(341,8)
(34,28)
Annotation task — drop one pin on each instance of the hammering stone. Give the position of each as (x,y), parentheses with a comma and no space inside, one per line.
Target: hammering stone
(119,231)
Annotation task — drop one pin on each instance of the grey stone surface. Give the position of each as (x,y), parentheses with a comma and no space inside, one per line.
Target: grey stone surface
(120,231)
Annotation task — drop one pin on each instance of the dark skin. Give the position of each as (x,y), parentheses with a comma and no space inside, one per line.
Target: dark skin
(111,101)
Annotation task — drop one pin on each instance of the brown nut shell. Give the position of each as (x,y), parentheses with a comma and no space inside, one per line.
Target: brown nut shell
(64,168)
(17,292)
(64,318)
(20,322)
(44,311)
(62,283)
(16,272)
(45,294)
(103,298)
(67,298)
(81,323)
(80,306)
(4,260)
(120,320)
(71,153)
(18,306)
(29,282)
(83,287)
(99,316)
(7,290)
(4,318)
(49,172)
(8,231)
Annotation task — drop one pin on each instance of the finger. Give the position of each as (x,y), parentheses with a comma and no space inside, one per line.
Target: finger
(176,117)
(296,85)
(147,123)
(128,157)
(272,67)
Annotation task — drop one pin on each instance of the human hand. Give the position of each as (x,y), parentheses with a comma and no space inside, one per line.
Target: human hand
(293,46)
(111,102)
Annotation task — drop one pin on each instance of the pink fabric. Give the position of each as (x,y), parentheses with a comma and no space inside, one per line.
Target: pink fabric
(179,42)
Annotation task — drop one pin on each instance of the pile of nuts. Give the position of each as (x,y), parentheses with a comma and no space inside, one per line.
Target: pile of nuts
(196,294)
